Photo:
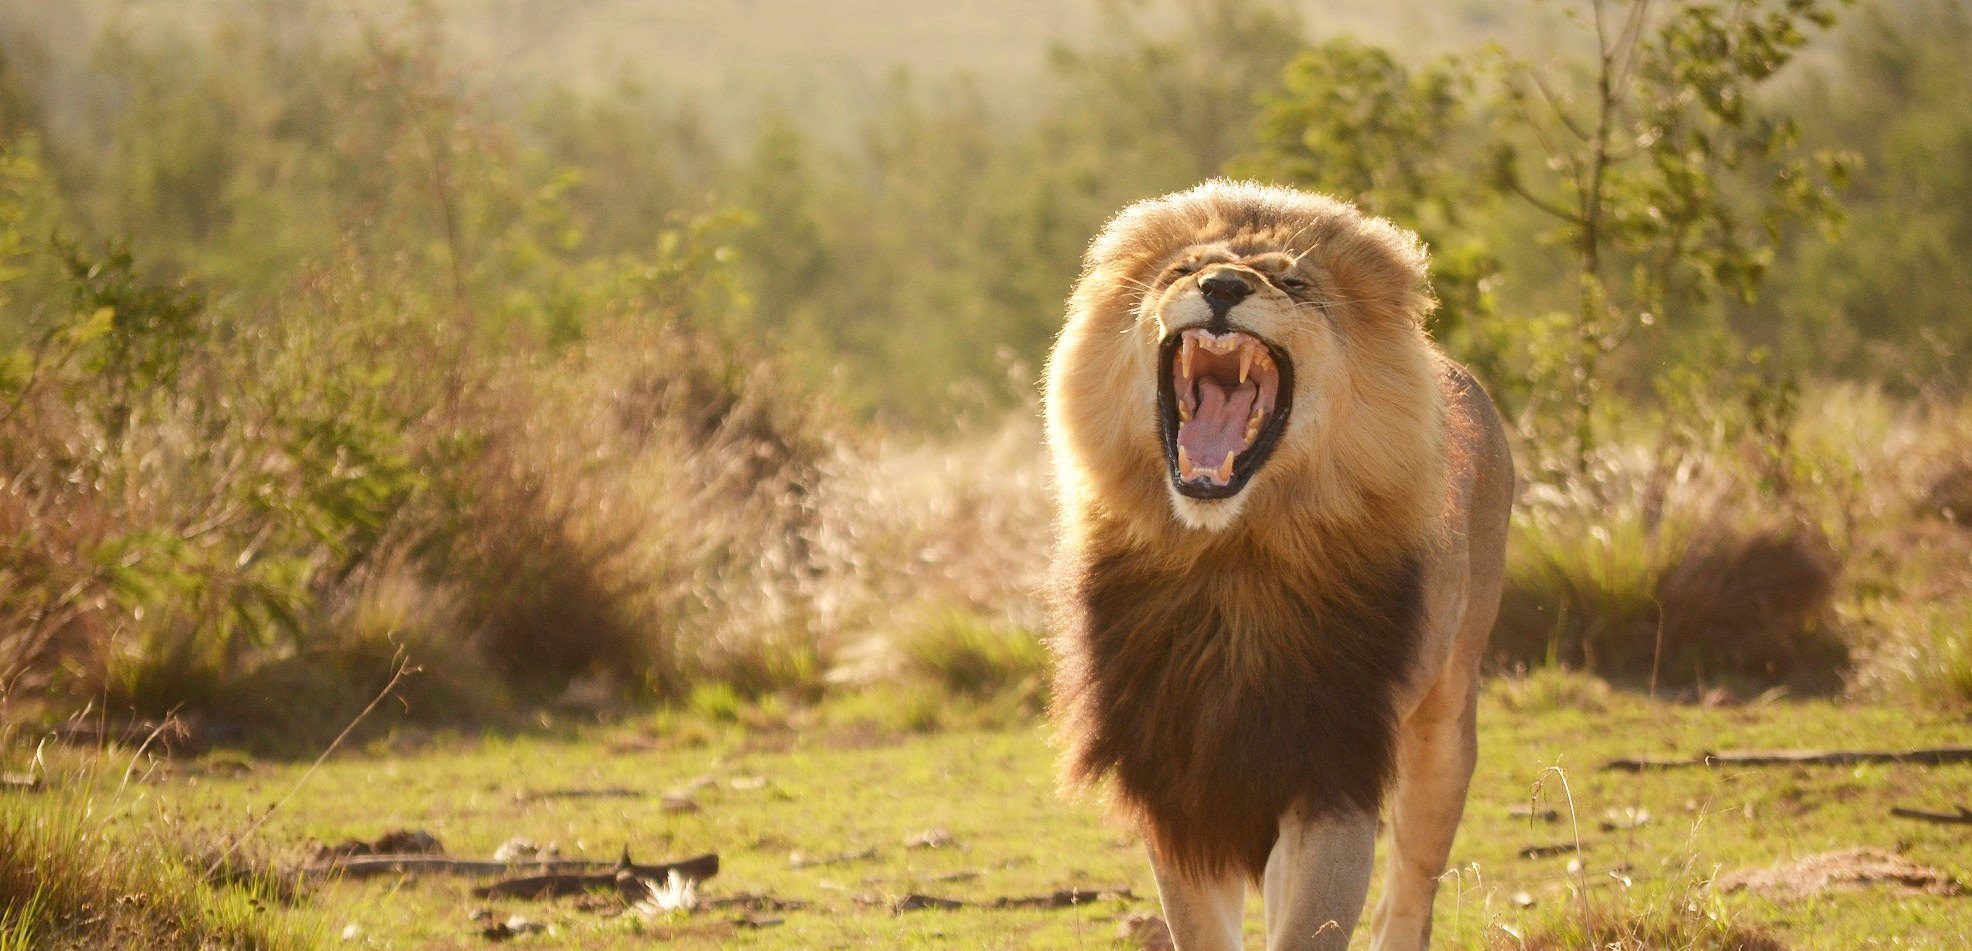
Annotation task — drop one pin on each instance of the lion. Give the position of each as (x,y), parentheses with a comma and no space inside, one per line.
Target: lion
(1282,518)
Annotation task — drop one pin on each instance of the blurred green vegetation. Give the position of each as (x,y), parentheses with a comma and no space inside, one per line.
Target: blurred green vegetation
(318,350)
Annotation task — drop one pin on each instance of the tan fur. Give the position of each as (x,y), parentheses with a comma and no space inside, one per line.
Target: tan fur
(1391,456)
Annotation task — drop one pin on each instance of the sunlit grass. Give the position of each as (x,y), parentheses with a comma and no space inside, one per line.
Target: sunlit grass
(817,804)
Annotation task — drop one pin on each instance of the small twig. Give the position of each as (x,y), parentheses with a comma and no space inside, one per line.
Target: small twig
(1963,817)
(397,676)
(819,861)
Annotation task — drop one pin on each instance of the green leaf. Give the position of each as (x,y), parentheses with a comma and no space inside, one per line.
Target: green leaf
(93,327)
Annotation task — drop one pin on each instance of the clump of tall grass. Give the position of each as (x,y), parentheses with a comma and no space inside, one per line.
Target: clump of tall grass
(935,555)
(1647,571)
(66,880)
(1920,649)
(1691,919)
(1815,551)
(967,655)
(1550,689)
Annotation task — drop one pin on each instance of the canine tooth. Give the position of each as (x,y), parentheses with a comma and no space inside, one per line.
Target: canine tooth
(1184,464)
(1184,356)
(1245,362)
(1225,468)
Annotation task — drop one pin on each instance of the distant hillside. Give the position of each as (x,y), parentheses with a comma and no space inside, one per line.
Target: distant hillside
(812,55)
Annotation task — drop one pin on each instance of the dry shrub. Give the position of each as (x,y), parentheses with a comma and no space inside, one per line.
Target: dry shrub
(638,512)
(54,611)
(545,579)
(934,555)
(1949,495)
(1753,602)
(1669,569)
(1822,554)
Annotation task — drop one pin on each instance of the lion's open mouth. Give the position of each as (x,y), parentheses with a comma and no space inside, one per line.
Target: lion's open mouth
(1223,401)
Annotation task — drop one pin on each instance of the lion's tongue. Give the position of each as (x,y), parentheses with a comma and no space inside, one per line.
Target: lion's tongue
(1218,425)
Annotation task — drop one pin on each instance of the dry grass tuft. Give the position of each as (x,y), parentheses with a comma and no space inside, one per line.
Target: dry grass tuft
(1950,492)
(1753,604)
(1550,689)
(1684,913)
(1689,586)
(1646,931)
(66,883)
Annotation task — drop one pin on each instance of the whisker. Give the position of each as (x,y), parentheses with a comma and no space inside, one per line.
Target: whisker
(1297,233)
(1326,302)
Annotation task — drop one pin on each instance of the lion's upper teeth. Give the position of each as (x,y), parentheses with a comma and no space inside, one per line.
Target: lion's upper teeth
(1245,362)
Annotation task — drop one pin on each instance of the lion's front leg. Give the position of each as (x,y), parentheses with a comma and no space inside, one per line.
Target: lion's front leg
(1317,878)
(1435,756)
(1203,915)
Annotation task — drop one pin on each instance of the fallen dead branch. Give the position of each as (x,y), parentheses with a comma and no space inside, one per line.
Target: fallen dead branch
(1545,851)
(1962,817)
(21,782)
(624,876)
(370,866)
(1934,756)
(396,842)
(749,901)
(917,902)
(1064,898)
(607,792)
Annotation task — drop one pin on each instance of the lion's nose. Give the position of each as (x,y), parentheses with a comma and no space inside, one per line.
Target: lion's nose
(1224,288)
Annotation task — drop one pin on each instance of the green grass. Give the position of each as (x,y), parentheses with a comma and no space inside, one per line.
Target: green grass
(78,873)
(843,779)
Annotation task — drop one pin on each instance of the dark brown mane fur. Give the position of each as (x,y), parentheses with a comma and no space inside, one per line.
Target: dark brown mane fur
(1219,694)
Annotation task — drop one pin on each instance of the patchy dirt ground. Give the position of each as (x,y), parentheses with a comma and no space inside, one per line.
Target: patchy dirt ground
(1844,869)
